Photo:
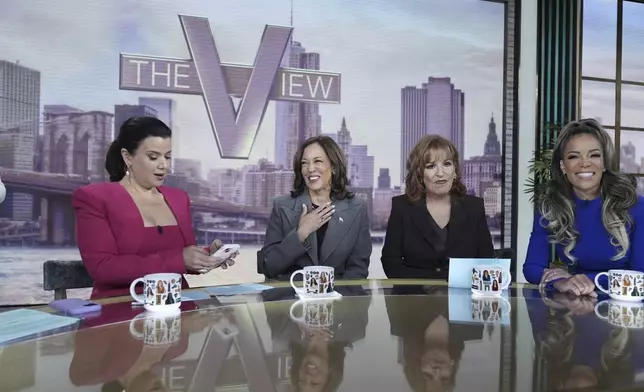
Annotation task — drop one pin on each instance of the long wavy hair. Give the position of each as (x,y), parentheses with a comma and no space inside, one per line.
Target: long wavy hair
(339,179)
(618,193)
(420,156)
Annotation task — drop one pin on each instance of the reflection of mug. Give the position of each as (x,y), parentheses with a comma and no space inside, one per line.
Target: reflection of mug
(489,280)
(622,314)
(315,314)
(623,285)
(489,309)
(161,292)
(317,280)
(157,330)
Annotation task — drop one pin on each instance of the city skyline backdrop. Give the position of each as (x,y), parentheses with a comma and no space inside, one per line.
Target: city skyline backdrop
(87,77)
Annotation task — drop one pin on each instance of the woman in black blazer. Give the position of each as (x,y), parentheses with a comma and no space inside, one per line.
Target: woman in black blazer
(435,219)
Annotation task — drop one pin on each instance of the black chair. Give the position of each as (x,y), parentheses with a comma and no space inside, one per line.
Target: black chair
(61,275)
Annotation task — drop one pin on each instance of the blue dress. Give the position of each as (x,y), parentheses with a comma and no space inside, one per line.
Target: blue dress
(593,251)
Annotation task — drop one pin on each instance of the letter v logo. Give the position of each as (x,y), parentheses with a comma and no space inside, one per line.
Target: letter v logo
(235,130)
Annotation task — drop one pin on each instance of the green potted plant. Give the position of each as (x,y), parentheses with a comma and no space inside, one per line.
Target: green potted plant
(539,168)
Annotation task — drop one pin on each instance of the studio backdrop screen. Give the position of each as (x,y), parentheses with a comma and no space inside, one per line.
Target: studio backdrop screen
(376,76)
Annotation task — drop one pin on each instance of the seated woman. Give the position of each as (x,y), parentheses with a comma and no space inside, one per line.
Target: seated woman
(434,220)
(320,222)
(133,225)
(589,211)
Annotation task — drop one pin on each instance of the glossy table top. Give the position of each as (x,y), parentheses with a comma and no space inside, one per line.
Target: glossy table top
(380,336)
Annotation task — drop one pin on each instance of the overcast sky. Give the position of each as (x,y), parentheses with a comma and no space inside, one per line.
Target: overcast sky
(378,46)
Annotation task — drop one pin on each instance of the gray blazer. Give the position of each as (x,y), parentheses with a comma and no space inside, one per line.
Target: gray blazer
(347,243)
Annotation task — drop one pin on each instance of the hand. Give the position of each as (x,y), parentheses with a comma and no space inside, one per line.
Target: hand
(577,284)
(578,306)
(310,222)
(550,274)
(223,263)
(197,259)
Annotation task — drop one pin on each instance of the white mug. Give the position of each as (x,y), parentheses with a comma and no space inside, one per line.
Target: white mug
(158,330)
(489,280)
(317,280)
(315,313)
(161,292)
(489,309)
(623,285)
(622,314)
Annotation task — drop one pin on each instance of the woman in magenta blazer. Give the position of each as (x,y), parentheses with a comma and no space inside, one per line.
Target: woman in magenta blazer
(133,225)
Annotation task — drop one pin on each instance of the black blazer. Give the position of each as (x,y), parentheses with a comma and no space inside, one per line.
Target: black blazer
(411,248)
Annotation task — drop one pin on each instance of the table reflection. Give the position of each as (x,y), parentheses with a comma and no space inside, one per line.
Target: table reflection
(576,349)
(378,338)
(319,338)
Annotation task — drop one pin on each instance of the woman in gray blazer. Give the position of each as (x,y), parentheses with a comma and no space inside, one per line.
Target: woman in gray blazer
(320,222)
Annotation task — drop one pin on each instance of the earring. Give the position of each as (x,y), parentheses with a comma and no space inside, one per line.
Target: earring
(127,170)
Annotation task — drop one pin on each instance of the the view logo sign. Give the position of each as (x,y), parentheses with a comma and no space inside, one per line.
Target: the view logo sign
(235,130)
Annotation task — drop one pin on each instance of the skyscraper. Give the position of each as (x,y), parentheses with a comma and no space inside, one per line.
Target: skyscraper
(124,112)
(435,108)
(344,140)
(19,124)
(164,108)
(445,114)
(384,180)
(361,167)
(294,121)
(413,122)
(492,145)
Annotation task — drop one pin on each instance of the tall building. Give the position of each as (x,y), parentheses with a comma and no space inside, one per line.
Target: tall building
(361,167)
(295,121)
(482,175)
(382,206)
(384,180)
(265,183)
(124,112)
(19,124)
(492,144)
(226,185)
(434,108)
(164,108)
(76,142)
(344,140)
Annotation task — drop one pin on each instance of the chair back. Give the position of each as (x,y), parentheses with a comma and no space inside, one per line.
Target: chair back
(61,275)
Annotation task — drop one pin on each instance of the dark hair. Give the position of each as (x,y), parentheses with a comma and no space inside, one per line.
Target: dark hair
(339,180)
(133,131)
(335,362)
(421,156)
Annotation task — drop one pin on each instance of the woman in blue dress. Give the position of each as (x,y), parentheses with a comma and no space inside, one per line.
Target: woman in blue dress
(590,211)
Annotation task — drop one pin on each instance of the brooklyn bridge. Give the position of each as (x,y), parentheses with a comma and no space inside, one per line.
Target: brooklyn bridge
(52,203)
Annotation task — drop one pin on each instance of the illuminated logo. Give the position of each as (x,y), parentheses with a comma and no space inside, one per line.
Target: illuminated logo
(235,129)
